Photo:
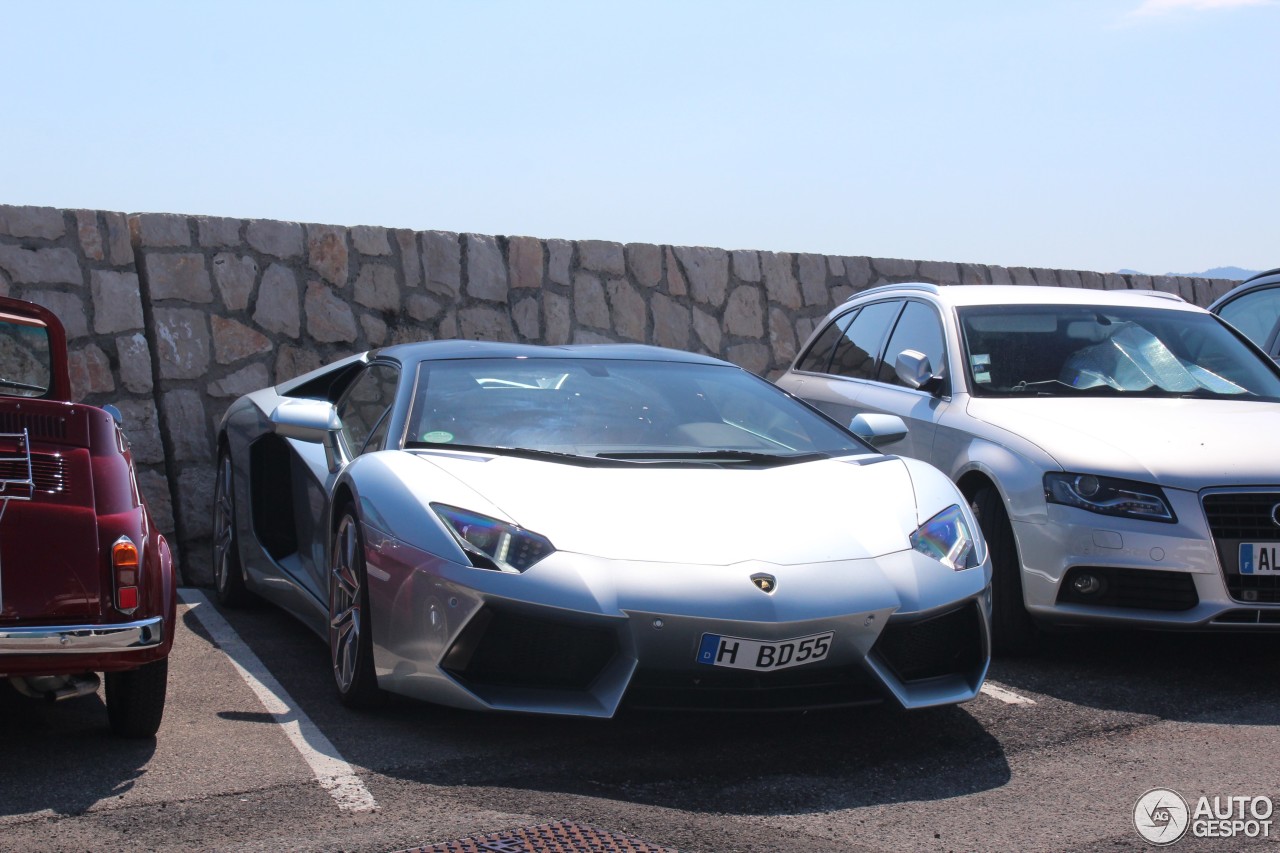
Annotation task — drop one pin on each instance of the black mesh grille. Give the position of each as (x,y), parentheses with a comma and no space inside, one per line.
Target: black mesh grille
(37,426)
(1236,517)
(507,649)
(737,690)
(1143,589)
(948,644)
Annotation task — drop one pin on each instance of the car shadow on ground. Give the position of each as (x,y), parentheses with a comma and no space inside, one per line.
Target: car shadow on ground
(1187,677)
(37,732)
(748,763)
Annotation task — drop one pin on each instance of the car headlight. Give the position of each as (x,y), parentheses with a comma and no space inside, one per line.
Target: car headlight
(947,538)
(1108,496)
(493,544)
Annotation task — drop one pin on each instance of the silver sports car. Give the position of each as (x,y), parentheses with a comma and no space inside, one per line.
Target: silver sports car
(567,529)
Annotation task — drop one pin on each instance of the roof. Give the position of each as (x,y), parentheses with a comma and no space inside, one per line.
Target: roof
(1014,294)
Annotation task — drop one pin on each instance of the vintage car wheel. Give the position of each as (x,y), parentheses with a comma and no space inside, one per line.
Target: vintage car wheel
(228,576)
(135,699)
(350,629)
(1013,632)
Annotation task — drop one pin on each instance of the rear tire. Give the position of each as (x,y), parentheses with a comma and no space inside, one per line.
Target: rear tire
(135,699)
(1013,632)
(228,574)
(350,628)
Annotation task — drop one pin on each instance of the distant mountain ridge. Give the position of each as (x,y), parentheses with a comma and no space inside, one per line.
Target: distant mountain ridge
(1233,273)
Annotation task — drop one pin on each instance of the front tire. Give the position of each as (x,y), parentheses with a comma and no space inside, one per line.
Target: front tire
(135,699)
(1013,632)
(350,628)
(228,574)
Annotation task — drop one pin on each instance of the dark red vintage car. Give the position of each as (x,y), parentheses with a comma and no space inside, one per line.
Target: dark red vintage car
(86,580)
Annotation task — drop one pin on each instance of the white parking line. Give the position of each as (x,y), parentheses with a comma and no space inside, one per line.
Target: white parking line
(1004,694)
(333,773)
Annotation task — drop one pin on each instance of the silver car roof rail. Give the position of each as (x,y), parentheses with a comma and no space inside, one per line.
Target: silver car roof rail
(906,285)
(1159,293)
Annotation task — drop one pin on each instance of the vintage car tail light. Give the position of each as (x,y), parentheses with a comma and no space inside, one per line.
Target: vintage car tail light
(124,568)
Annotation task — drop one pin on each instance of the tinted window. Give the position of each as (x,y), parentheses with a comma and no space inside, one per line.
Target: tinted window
(819,355)
(920,329)
(1254,314)
(24,358)
(858,347)
(365,402)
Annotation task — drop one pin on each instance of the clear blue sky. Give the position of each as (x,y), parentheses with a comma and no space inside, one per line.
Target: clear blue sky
(1094,134)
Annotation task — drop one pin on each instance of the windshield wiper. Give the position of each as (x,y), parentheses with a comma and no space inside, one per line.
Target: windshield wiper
(23,386)
(522,452)
(715,456)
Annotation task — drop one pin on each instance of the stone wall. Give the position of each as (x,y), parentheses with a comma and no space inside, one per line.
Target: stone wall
(172,317)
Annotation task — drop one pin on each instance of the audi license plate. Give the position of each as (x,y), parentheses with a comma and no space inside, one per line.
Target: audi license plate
(1259,558)
(741,653)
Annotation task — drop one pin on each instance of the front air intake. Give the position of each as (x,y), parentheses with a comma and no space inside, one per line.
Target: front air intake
(950,643)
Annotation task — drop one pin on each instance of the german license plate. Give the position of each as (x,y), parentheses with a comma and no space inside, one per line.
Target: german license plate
(1259,558)
(761,655)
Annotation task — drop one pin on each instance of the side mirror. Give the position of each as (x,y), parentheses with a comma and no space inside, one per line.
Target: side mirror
(914,369)
(315,421)
(115,414)
(878,430)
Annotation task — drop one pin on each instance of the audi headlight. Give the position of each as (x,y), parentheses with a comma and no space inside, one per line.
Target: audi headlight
(947,538)
(493,544)
(1108,496)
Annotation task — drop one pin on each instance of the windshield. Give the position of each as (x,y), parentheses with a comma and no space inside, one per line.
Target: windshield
(1091,350)
(24,357)
(616,409)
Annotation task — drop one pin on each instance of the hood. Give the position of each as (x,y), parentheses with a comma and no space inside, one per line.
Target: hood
(1182,443)
(700,514)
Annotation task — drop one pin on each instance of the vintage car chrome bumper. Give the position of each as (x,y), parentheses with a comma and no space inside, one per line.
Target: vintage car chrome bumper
(83,639)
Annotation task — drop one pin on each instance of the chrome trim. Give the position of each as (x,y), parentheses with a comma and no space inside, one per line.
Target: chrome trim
(83,639)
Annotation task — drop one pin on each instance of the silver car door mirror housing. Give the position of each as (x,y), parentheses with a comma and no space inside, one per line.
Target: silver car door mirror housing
(914,369)
(878,430)
(315,421)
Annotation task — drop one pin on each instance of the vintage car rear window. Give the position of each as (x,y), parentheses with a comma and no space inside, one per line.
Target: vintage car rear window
(24,357)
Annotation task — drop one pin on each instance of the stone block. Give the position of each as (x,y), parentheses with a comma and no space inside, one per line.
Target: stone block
(160,230)
(751,356)
(1114,281)
(644,260)
(377,288)
(329,319)
(142,428)
(292,361)
(746,265)
(277,306)
(187,425)
(218,232)
(1022,276)
(41,266)
(589,305)
(410,257)
(423,308)
(235,275)
(707,329)
(117,301)
(525,313)
(327,252)
(1140,282)
(41,223)
(442,262)
(155,492)
(556,318)
(135,363)
(999,275)
(272,237)
(178,276)
(708,273)
(779,283)
(4,284)
(782,337)
(370,240)
(972,274)
(182,342)
(835,265)
(1092,281)
(68,307)
(525,257)
(559,260)
(602,256)
(448,326)
(249,378)
(630,314)
(857,272)
(744,314)
(195,502)
(90,235)
(813,279)
(1045,278)
(897,269)
(375,330)
(1069,278)
(233,340)
(119,240)
(672,322)
(939,272)
(484,323)
(486,270)
(677,284)
(90,372)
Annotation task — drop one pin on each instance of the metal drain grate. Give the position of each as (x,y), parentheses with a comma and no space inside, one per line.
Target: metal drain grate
(559,837)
